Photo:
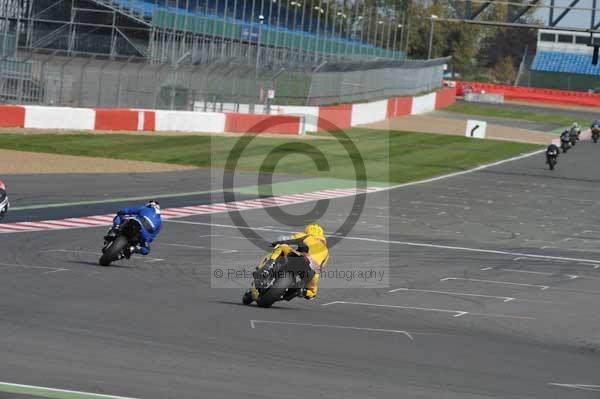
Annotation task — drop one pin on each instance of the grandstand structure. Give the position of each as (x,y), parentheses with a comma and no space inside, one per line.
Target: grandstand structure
(176,53)
(562,60)
(192,31)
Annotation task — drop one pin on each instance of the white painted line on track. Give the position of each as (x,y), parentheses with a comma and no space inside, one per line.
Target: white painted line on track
(254,322)
(8,387)
(542,287)
(224,250)
(464,172)
(570,276)
(406,243)
(457,313)
(94,253)
(56,269)
(504,298)
(551,258)
(578,386)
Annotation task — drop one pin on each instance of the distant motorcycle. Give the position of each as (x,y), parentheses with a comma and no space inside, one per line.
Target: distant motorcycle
(552,162)
(4,204)
(121,243)
(573,137)
(595,134)
(552,156)
(565,144)
(280,276)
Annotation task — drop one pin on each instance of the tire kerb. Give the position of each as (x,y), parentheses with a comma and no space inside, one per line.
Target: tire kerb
(172,213)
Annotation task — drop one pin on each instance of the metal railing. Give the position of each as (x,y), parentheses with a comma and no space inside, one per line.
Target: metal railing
(213,85)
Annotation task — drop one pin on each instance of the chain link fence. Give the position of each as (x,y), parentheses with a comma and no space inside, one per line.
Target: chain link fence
(217,85)
(344,82)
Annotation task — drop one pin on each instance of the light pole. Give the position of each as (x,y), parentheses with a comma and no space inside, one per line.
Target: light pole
(261,19)
(432,19)
(396,37)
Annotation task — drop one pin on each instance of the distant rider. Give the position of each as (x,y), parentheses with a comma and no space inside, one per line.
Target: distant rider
(565,139)
(551,152)
(575,131)
(595,126)
(4,204)
(150,219)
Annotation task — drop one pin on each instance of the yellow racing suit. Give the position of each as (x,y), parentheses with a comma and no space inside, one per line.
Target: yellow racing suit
(316,252)
(317,255)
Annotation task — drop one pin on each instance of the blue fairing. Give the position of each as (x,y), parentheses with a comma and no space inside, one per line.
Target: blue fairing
(150,221)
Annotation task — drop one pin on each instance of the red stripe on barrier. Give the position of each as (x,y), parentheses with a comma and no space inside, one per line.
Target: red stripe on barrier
(445,97)
(116,119)
(12,116)
(250,123)
(399,106)
(339,116)
(149,121)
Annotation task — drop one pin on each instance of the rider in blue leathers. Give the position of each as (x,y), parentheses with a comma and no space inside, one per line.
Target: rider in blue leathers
(150,220)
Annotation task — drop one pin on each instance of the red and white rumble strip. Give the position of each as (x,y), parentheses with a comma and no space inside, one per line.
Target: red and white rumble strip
(172,213)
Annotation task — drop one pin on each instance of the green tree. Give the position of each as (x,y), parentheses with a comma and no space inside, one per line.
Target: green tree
(504,71)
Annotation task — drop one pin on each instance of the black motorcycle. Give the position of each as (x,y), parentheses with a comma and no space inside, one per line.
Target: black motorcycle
(551,162)
(573,137)
(281,275)
(565,144)
(120,241)
(4,204)
(595,134)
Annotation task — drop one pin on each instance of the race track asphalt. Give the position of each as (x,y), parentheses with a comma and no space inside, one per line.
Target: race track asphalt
(77,195)
(496,277)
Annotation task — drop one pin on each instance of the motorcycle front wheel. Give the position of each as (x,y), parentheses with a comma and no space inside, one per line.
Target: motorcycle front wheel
(113,251)
(276,291)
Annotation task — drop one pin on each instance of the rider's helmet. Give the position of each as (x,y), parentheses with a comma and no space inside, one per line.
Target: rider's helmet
(575,125)
(2,185)
(315,230)
(153,204)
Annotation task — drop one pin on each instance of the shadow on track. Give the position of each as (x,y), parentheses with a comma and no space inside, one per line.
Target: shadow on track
(256,307)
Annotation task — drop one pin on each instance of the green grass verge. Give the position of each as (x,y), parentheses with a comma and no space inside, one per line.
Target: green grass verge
(481,110)
(389,157)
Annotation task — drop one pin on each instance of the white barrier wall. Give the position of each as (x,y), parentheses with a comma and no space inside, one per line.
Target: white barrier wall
(310,114)
(39,117)
(190,121)
(423,104)
(369,112)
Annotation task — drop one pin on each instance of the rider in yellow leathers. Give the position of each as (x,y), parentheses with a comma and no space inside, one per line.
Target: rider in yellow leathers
(313,245)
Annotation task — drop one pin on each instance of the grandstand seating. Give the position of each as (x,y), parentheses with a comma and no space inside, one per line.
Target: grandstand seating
(566,62)
(221,18)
